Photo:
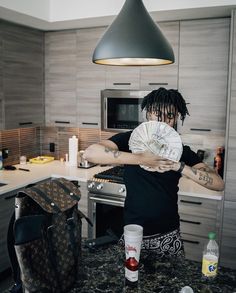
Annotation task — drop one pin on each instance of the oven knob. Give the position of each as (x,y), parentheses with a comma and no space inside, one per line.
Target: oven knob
(100,186)
(91,185)
(121,190)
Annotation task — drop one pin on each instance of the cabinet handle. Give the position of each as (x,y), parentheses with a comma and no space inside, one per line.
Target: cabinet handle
(121,83)
(158,83)
(190,222)
(190,241)
(89,123)
(25,123)
(200,129)
(62,122)
(191,202)
(9,197)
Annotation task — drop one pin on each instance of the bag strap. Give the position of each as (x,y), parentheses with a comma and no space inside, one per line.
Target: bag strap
(67,190)
(47,199)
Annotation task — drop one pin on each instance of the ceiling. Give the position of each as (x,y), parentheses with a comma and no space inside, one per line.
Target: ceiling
(67,14)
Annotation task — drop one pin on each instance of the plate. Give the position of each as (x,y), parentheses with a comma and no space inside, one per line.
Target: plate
(158,138)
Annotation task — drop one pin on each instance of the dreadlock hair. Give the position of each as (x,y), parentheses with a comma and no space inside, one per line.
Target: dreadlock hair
(156,100)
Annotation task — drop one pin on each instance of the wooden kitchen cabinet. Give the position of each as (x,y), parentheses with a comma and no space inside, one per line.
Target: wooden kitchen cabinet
(90,79)
(21,74)
(148,77)
(203,73)
(60,78)
(198,217)
(153,77)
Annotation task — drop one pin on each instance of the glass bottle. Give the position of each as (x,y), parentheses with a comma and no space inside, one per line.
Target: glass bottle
(131,269)
(210,257)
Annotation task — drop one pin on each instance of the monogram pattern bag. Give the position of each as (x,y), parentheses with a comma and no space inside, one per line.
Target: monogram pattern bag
(47,233)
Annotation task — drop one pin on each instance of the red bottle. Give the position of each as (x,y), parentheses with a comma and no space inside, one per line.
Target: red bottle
(131,269)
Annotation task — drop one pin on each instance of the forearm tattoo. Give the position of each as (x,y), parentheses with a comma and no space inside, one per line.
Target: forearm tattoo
(203,176)
(116,153)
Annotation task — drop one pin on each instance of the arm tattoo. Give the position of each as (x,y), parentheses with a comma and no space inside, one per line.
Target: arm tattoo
(116,153)
(205,177)
(206,169)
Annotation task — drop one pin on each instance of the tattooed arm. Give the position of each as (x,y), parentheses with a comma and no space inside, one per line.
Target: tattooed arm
(107,152)
(205,176)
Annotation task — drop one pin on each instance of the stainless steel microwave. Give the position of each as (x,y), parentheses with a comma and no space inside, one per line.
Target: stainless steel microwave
(121,109)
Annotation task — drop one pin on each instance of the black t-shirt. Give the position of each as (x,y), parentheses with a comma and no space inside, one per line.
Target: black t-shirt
(152,199)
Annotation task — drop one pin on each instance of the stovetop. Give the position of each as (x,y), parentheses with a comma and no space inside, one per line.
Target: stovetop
(114,174)
(109,182)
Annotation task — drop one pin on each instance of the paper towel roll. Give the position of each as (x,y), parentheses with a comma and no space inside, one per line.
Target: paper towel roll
(73,151)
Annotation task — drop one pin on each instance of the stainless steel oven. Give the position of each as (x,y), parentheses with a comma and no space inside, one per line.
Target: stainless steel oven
(121,109)
(106,199)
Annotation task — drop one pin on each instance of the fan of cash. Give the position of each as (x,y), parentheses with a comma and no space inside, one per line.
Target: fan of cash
(158,138)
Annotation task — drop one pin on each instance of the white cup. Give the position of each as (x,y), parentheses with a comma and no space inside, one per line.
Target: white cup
(133,236)
(23,160)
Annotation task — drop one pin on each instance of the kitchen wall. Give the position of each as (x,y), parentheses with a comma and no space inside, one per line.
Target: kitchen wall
(36,141)
(20,141)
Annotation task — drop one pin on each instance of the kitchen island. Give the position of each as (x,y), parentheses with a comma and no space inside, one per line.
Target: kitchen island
(104,272)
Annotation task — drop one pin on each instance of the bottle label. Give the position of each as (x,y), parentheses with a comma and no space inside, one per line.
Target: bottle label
(132,276)
(209,265)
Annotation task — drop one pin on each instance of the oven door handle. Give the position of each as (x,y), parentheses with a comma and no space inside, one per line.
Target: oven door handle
(107,201)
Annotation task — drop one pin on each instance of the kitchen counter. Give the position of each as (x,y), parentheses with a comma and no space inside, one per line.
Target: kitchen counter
(17,179)
(104,272)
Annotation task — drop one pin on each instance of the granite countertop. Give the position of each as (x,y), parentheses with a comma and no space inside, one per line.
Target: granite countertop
(18,179)
(104,272)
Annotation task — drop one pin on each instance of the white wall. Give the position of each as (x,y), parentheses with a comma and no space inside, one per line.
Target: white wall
(38,9)
(74,9)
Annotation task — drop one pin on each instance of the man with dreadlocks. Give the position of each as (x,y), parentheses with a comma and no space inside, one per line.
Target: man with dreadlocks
(152,198)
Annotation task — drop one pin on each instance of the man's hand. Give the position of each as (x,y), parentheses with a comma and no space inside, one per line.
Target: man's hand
(157,163)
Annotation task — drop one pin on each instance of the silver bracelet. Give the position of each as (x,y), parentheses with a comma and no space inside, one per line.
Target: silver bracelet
(182,165)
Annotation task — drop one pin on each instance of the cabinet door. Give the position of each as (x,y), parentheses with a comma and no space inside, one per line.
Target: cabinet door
(6,210)
(122,77)
(90,79)
(153,77)
(203,71)
(228,243)
(22,69)
(60,78)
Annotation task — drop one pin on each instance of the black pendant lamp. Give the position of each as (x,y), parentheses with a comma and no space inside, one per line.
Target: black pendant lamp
(133,39)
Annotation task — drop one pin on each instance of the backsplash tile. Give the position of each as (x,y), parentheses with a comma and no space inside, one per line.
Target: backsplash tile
(36,140)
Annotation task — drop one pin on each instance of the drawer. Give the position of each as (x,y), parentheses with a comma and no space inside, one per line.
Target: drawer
(199,207)
(193,246)
(198,225)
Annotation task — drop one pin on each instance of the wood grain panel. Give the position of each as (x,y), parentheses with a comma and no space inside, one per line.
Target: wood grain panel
(23,72)
(90,79)
(203,72)
(60,78)
(153,77)
(228,243)
(105,134)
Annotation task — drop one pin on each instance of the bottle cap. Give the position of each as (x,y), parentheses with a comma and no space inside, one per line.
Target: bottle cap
(212,235)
